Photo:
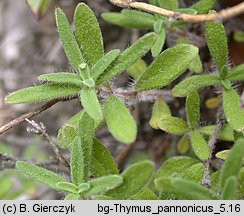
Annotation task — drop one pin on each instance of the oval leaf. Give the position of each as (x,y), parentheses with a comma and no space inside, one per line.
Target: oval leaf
(194,83)
(119,120)
(162,71)
(173,125)
(193,109)
(88,34)
(135,178)
(199,146)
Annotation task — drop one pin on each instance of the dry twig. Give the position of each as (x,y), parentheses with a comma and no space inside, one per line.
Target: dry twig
(221,15)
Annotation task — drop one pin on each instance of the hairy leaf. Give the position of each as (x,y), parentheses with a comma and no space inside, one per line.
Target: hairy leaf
(217,42)
(40,174)
(41,93)
(145,194)
(78,162)
(230,188)
(234,114)
(128,57)
(137,68)
(184,145)
(173,125)
(239,36)
(194,83)
(104,184)
(168,4)
(197,192)
(84,187)
(88,34)
(102,161)
(160,110)
(196,65)
(233,162)
(237,73)
(175,166)
(68,187)
(203,6)
(135,178)
(193,109)
(70,45)
(159,43)
(199,146)
(103,63)
(72,196)
(130,19)
(119,120)
(61,77)
(85,133)
(161,72)
(91,104)
(194,173)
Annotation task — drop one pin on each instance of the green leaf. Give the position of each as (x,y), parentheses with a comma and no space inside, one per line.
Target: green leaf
(159,43)
(173,125)
(234,114)
(168,4)
(185,11)
(88,34)
(197,192)
(61,77)
(119,120)
(183,145)
(230,188)
(135,178)
(239,36)
(145,194)
(85,133)
(194,83)
(232,165)
(241,182)
(193,109)
(160,110)
(38,7)
(104,184)
(236,74)
(83,187)
(68,187)
(78,162)
(194,173)
(102,162)
(222,154)
(162,72)
(128,57)
(41,93)
(67,132)
(226,132)
(91,104)
(199,146)
(175,166)
(130,19)
(203,6)
(217,42)
(6,185)
(103,63)
(72,196)
(70,45)
(196,65)
(40,174)
(137,68)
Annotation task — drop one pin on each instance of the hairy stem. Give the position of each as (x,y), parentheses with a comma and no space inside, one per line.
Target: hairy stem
(221,15)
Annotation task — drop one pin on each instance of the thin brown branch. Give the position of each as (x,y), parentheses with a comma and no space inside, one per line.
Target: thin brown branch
(41,129)
(30,114)
(221,15)
(211,143)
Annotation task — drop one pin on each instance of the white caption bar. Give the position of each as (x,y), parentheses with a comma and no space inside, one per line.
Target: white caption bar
(121,208)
